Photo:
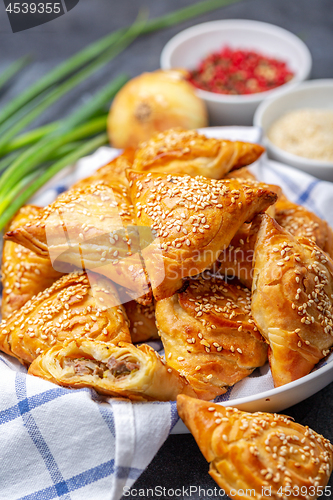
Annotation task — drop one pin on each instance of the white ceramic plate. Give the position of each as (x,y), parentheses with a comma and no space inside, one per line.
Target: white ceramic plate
(280,398)
(272,400)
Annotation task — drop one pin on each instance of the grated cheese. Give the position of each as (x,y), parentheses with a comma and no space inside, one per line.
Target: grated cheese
(305,132)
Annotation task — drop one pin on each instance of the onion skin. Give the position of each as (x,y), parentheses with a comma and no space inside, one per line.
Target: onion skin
(151,103)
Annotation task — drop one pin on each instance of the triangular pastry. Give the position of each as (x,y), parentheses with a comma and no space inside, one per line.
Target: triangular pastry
(300,222)
(75,306)
(93,228)
(115,169)
(142,321)
(138,373)
(178,151)
(258,455)
(236,260)
(292,300)
(193,220)
(209,335)
(24,273)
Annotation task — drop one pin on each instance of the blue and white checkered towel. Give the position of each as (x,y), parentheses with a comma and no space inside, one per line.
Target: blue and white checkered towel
(74,444)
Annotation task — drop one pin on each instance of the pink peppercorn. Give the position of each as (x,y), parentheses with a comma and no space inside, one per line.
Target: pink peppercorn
(236,71)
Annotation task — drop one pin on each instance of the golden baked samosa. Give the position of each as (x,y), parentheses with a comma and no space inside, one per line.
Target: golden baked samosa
(258,455)
(178,151)
(193,220)
(93,228)
(209,335)
(300,222)
(292,300)
(138,373)
(75,306)
(24,273)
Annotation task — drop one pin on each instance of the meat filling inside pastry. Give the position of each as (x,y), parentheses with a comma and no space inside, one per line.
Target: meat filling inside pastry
(209,335)
(292,300)
(123,370)
(258,455)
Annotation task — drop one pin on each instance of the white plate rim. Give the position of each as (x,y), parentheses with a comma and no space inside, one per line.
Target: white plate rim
(278,398)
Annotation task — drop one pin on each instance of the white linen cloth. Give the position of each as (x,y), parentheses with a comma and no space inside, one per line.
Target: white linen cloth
(76,445)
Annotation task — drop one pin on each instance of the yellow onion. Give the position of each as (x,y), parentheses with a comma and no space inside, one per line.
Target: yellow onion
(153,102)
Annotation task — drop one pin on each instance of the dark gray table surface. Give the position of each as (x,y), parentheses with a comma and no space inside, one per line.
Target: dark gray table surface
(179,463)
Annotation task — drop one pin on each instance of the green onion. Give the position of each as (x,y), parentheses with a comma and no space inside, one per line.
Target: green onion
(39,151)
(98,125)
(21,113)
(7,160)
(64,150)
(29,137)
(58,154)
(184,14)
(85,111)
(27,171)
(88,54)
(17,189)
(14,203)
(13,69)
(29,159)
(58,74)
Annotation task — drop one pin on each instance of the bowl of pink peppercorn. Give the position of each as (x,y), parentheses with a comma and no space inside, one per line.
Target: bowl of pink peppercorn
(235,64)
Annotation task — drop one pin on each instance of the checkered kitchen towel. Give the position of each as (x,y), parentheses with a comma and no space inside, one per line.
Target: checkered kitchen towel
(74,444)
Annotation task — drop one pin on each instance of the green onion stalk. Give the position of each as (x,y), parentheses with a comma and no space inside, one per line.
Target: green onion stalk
(26,158)
(33,182)
(68,85)
(65,69)
(29,159)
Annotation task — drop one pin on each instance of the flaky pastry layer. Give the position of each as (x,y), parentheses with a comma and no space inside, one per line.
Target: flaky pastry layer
(193,219)
(178,151)
(292,300)
(122,370)
(24,273)
(209,335)
(253,453)
(75,306)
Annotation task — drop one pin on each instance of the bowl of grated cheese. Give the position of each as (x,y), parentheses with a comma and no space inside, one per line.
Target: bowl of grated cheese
(297,127)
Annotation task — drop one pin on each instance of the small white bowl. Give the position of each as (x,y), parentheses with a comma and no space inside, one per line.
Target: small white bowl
(189,47)
(312,94)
